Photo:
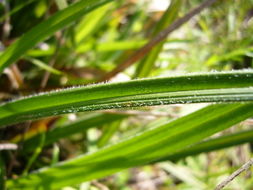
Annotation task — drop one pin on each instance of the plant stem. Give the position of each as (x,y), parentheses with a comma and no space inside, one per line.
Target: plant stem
(245,167)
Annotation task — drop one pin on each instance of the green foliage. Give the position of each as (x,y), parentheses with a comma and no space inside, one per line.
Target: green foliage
(214,144)
(72,128)
(211,87)
(146,147)
(46,29)
(151,124)
(147,64)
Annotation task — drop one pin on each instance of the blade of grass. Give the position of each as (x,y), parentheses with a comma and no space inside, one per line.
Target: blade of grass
(211,87)
(44,66)
(72,128)
(146,65)
(91,23)
(35,154)
(45,29)
(99,47)
(55,155)
(233,55)
(213,145)
(107,133)
(183,174)
(111,46)
(138,150)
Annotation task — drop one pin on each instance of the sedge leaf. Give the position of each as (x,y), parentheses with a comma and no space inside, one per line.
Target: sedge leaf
(212,87)
(213,145)
(138,150)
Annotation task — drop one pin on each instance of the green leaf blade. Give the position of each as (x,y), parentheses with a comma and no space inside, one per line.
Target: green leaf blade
(46,29)
(214,87)
(146,65)
(213,144)
(141,149)
(71,128)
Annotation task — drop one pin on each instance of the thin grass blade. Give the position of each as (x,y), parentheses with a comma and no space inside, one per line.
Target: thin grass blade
(141,149)
(213,145)
(72,128)
(211,87)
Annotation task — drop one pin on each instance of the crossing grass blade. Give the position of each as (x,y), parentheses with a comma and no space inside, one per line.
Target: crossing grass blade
(141,149)
(45,29)
(107,133)
(209,87)
(213,145)
(146,65)
(83,124)
(99,47)
(44,66)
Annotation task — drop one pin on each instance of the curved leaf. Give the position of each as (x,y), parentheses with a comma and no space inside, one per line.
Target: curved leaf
(138,150)
(214,87)
(213,145)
